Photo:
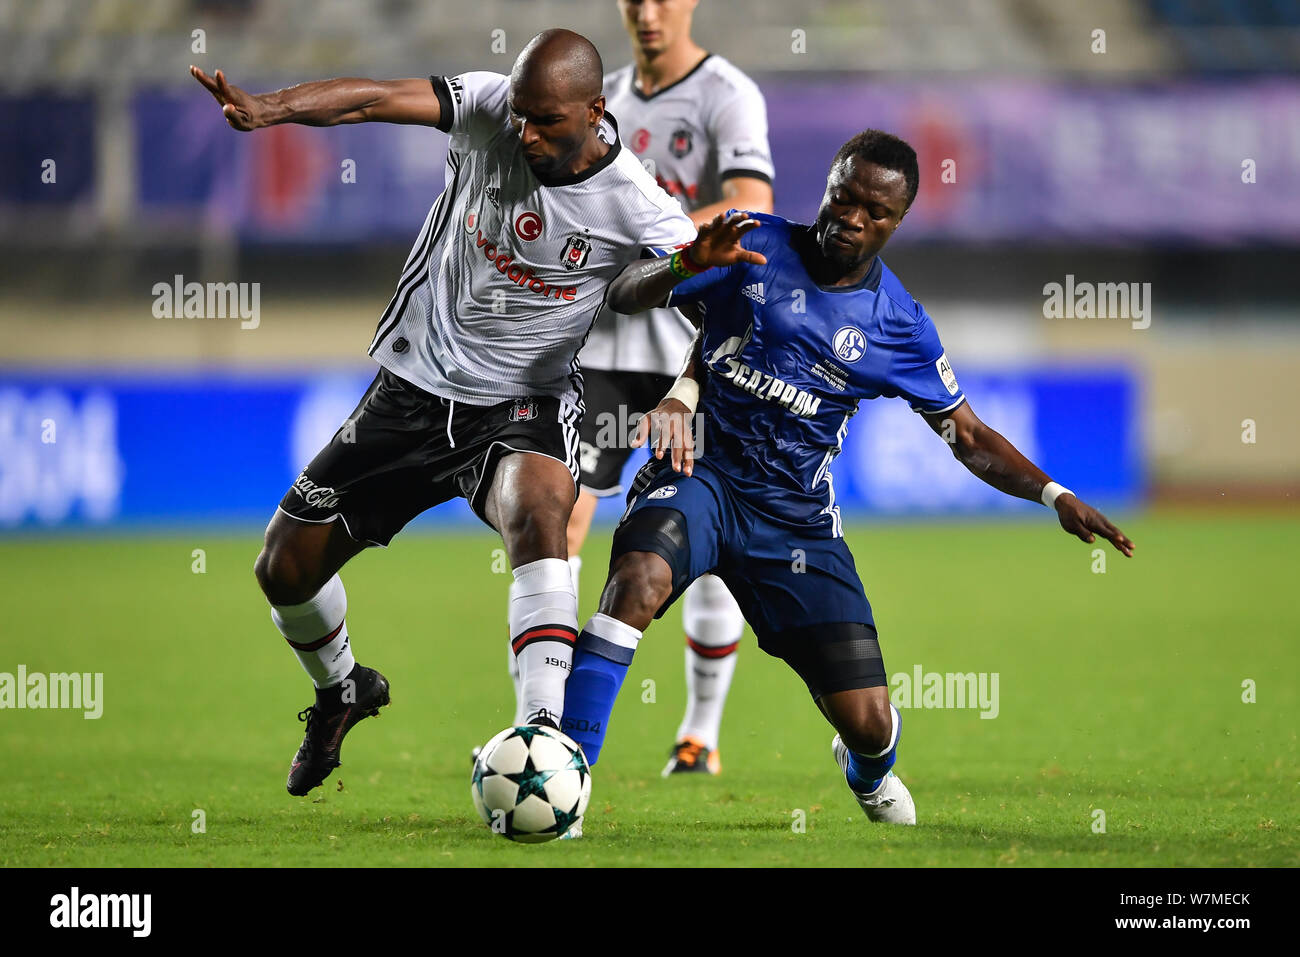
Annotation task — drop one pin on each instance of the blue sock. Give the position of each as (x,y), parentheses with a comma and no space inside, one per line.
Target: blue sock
(865,772)
(600,661)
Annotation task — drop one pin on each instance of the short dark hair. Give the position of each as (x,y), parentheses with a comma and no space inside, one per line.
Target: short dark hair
(887,150)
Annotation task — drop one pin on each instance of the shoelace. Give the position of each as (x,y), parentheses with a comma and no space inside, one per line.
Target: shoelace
(306,715)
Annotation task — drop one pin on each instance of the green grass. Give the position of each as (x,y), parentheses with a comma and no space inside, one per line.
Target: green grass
(1119,691)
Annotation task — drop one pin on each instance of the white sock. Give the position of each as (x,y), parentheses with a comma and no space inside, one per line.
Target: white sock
(521,713)
(614,632)
(512,666)
(544,626)
(575,566)
(318,634)
(713,624)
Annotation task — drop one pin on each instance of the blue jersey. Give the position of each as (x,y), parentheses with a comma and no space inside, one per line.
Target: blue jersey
(790,360)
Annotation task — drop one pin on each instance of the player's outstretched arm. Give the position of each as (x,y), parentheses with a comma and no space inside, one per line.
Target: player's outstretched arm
(996,461)
(325,102)
(647,282)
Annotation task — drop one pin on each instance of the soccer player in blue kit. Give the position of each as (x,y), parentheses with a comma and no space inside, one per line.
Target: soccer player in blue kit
(805,323)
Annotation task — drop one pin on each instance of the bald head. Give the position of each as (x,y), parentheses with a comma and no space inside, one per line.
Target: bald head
(562,63)
(555,103)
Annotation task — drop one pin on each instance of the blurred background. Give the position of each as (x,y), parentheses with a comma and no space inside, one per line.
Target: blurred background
(1149,143)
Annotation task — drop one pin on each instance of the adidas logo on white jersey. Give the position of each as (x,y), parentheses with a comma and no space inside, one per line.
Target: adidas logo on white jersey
(755,291)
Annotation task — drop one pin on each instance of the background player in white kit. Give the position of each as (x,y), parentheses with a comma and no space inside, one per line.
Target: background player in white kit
(479,392)
(699,125)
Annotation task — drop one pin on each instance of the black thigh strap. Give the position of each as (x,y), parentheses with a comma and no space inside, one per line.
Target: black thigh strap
(839,656)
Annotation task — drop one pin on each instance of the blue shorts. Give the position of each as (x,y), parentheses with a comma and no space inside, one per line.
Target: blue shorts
(792,585)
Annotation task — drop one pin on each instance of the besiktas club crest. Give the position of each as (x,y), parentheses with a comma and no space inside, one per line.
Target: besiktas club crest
(680,143)
(524,410)
(576,251)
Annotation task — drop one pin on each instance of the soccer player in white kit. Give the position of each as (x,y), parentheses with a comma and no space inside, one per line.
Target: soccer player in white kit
(479,391)
(699,125)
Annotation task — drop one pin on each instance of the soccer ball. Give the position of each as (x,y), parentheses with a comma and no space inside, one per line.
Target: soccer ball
(531,784)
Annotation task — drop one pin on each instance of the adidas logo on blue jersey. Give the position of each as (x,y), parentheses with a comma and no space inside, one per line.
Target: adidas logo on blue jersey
(755,291)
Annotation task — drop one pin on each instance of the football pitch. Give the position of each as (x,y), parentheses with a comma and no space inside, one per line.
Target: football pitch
(1144,715)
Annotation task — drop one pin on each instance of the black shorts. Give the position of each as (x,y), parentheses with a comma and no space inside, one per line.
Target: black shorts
(615,401)
(403,451)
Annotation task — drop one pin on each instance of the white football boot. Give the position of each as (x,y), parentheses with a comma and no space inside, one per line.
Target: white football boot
(891,803)
(574,832)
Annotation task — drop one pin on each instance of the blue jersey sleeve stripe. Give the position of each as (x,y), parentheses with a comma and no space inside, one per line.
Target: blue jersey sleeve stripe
(947,408)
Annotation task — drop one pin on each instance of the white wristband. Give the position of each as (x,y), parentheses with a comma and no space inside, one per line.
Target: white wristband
(686,391)
(1052,491)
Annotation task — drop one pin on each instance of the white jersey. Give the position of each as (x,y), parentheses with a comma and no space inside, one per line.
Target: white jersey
(691,136)
(507,274)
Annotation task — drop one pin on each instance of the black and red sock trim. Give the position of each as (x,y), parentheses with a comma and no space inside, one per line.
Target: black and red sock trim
(562,633)
(718,651)
(318,643)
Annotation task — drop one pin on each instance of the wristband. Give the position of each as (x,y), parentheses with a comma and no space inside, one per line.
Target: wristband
(686,391)
(683,266)
(690,261)
(1052,491)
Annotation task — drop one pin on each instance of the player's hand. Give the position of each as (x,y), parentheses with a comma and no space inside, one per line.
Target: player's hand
(668,428)
(718,242)
(1082,520)
(243,111)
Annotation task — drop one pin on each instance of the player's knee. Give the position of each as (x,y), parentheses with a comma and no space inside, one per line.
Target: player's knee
(869,729)
(282,577)
(710,595)
(639,584)
(710,615)
(708,599)
(533,518)
(532,533)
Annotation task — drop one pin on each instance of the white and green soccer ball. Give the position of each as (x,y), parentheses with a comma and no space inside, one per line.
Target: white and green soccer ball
(531,784)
